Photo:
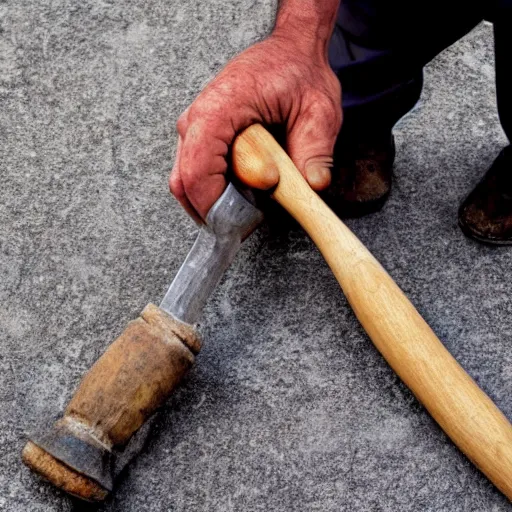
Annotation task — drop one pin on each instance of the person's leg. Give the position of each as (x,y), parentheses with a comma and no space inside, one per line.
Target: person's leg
(378,51)
(486,214)
(376,93)
(376,81)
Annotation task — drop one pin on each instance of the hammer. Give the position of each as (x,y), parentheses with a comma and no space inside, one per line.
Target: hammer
(140,369)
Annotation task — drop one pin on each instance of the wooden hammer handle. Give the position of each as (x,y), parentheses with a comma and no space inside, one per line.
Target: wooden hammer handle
(409,345)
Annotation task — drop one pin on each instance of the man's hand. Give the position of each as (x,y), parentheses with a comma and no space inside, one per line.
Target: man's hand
(284,80)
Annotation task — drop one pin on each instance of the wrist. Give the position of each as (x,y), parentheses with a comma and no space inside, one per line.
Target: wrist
(307,24)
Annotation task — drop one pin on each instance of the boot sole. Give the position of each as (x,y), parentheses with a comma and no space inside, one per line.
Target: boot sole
(347,210)
(483,240)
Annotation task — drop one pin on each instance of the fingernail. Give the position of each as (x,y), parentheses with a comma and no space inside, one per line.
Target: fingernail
(318,177)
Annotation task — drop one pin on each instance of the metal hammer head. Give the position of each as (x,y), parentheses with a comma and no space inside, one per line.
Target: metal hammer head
(230,220)
(234,214)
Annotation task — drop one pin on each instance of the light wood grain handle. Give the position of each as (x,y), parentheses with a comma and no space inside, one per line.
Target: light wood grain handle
(461,408)
(126,385)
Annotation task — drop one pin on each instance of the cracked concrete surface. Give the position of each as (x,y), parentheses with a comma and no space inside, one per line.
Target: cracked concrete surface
(289,408)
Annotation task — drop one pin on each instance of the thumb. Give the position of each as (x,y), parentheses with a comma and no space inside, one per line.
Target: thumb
(310,143)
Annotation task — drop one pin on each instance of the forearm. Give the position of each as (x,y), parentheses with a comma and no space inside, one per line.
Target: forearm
(309,22)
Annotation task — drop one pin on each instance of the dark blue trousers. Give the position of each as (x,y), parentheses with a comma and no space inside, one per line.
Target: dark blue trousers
(379,49)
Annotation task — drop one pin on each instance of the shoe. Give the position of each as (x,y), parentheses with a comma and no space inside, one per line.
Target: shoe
(361,179)
(486,214)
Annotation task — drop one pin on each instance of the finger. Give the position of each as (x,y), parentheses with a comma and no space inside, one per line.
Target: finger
(203,163)
(177,188)
(311,139)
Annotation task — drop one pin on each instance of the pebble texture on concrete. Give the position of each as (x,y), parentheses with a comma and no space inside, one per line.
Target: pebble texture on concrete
(290,408)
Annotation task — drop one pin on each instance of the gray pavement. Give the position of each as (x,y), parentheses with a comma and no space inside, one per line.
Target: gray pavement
(289,408)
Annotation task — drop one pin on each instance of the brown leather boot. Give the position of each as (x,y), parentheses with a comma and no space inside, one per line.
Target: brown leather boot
(361,178)
(486,214)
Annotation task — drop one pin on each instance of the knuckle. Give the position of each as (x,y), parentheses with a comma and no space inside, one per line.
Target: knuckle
(327,110)
(209,100)
(203,122)
(208,110)
(316,98)
(325,104)
(176,186)
(196,110)
(203,111)
(182,123)
(334,117)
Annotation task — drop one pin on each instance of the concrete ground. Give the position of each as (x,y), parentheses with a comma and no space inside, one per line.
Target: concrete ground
(289,408)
